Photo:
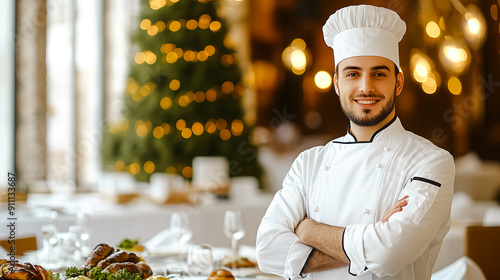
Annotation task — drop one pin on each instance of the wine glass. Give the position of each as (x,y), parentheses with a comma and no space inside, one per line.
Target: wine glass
(234,229)
(200,260)
(179,228)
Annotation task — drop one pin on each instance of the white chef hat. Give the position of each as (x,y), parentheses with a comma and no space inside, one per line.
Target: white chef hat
(364,30)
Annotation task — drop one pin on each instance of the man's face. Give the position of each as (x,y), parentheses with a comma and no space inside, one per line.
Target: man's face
(367,87)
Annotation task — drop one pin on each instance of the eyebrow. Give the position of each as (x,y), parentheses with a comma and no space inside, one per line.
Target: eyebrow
(379,67)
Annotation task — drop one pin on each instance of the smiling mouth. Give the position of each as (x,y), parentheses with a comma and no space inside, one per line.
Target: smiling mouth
(366,102)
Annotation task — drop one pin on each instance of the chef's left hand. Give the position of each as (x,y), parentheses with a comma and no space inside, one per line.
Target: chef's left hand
(302,228)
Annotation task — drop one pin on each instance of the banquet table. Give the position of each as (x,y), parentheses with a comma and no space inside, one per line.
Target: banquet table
(110,222)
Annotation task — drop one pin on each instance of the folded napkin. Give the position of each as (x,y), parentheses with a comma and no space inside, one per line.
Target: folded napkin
(161,241)
(462,269)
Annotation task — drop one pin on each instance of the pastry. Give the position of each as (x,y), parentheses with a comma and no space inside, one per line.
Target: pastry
(239,262)
(220,274)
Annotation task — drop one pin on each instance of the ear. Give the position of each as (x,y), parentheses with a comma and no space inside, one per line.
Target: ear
(399,83)
(336,83)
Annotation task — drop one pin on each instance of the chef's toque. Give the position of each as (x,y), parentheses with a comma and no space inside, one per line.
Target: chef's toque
(364,30)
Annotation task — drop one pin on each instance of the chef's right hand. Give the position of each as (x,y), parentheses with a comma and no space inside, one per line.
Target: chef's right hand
(398,207)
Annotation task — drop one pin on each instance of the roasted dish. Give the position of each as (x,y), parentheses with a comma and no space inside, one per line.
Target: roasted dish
(26,271)
(111,260)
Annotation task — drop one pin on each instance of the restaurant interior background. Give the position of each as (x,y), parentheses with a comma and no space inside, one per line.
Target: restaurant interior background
(67,80)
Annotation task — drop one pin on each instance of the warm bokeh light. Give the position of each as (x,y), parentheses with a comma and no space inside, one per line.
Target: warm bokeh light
(142,130)
(237,127)
(429,86)
(174,84)
(298,59)
(199,96)
(171,170)
(145,24)
(421,64)
(225,134)
(421,72)
(454,85)
(211,95)
(119,166)
(191,24)
(197,128)
(149,167)
(134,168)
(166,102)
(166,128)
(183,101)
(157,4)
(210,127)
(454,56)
(299,44)
(139,58)
(432,29)
(215,26)
(227,60)
(161,25)
(295,56)
(494,12)
(149,57)
(202,56)
(210,50)
(166,48)
(204,21)
(186,133)
(221,124)
(227,87)
(152,30)
(323,80)
(171,57)
(180,124)
(174,26)
(474,25)
(187,172)
(158,132)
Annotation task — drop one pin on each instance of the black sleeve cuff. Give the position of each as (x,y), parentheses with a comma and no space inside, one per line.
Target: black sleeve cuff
(307,260)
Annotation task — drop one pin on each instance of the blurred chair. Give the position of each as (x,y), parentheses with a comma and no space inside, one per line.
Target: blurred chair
(482,245)
(462,269)
(22,245)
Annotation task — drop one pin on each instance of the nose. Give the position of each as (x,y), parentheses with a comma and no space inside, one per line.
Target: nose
(366,84)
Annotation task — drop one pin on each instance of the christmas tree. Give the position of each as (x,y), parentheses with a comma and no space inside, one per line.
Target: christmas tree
(183,96)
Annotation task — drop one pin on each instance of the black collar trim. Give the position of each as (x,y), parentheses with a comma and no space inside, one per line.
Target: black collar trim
(371,139)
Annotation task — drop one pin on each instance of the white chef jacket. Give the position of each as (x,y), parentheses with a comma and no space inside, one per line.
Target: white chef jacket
(352,184)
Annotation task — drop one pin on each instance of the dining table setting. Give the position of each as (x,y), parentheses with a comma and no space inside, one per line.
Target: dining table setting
(169,254)
(84,236)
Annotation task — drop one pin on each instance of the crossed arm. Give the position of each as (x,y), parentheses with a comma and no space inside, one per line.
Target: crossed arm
(327,242)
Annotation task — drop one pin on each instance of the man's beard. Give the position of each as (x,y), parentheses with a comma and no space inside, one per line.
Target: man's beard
(367,119)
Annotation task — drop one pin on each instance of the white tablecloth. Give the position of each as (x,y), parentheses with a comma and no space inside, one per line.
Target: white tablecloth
(110,223)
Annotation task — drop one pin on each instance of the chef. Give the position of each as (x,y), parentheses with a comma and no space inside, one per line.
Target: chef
(375,203)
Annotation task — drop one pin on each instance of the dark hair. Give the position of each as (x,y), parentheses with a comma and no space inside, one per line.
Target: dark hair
(396,70)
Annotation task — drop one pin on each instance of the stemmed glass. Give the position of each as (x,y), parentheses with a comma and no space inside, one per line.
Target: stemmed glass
(179,228)
(234,229)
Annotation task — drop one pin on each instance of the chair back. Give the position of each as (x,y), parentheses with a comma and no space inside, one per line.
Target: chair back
(21,245)
(482,245)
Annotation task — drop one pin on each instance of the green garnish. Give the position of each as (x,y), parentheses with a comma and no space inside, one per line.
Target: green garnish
(54,276)
(97,274)
(74,272)
(128,243)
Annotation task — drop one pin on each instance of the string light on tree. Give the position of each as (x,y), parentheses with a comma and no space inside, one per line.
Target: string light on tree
(183,95)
